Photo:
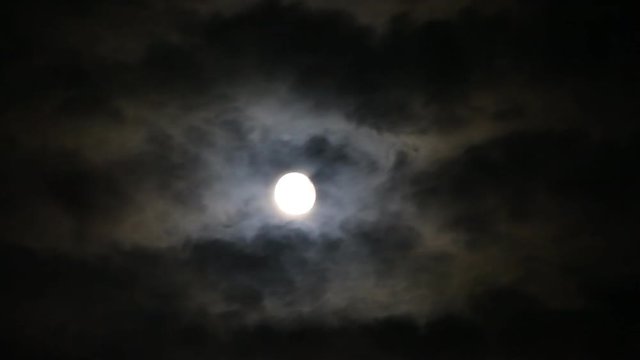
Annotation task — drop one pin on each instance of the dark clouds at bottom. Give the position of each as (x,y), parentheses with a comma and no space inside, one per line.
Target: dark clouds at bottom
(477,192)
(108,308)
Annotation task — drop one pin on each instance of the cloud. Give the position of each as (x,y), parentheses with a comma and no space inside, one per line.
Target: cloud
(473,162)
(132,305)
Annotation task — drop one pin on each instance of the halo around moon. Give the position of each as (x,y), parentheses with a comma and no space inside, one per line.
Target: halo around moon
(294,194)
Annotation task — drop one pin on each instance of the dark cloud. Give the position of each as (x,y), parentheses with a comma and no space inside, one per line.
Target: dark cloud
(474,164)
(79,309)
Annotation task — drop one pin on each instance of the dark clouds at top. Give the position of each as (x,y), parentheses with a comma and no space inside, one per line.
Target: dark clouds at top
(474,164)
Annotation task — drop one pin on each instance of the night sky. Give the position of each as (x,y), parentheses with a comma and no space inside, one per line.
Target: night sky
(475,164)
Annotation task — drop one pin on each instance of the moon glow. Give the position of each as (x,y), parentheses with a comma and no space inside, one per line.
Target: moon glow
(294,194)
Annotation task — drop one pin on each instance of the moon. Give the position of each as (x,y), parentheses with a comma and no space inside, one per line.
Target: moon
(294,194)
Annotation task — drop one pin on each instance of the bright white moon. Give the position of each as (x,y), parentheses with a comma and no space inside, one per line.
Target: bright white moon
(294,194)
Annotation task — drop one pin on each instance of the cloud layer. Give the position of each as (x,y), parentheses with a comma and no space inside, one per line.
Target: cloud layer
(474,164)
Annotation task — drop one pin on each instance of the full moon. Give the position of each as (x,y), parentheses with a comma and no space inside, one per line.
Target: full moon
(294,194)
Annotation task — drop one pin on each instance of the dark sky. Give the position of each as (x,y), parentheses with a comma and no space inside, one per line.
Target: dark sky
(475,163)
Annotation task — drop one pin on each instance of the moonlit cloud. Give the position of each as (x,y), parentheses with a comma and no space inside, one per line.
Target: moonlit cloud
(473,164)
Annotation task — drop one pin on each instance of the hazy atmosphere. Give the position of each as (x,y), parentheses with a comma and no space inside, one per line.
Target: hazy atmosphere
(473,164)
